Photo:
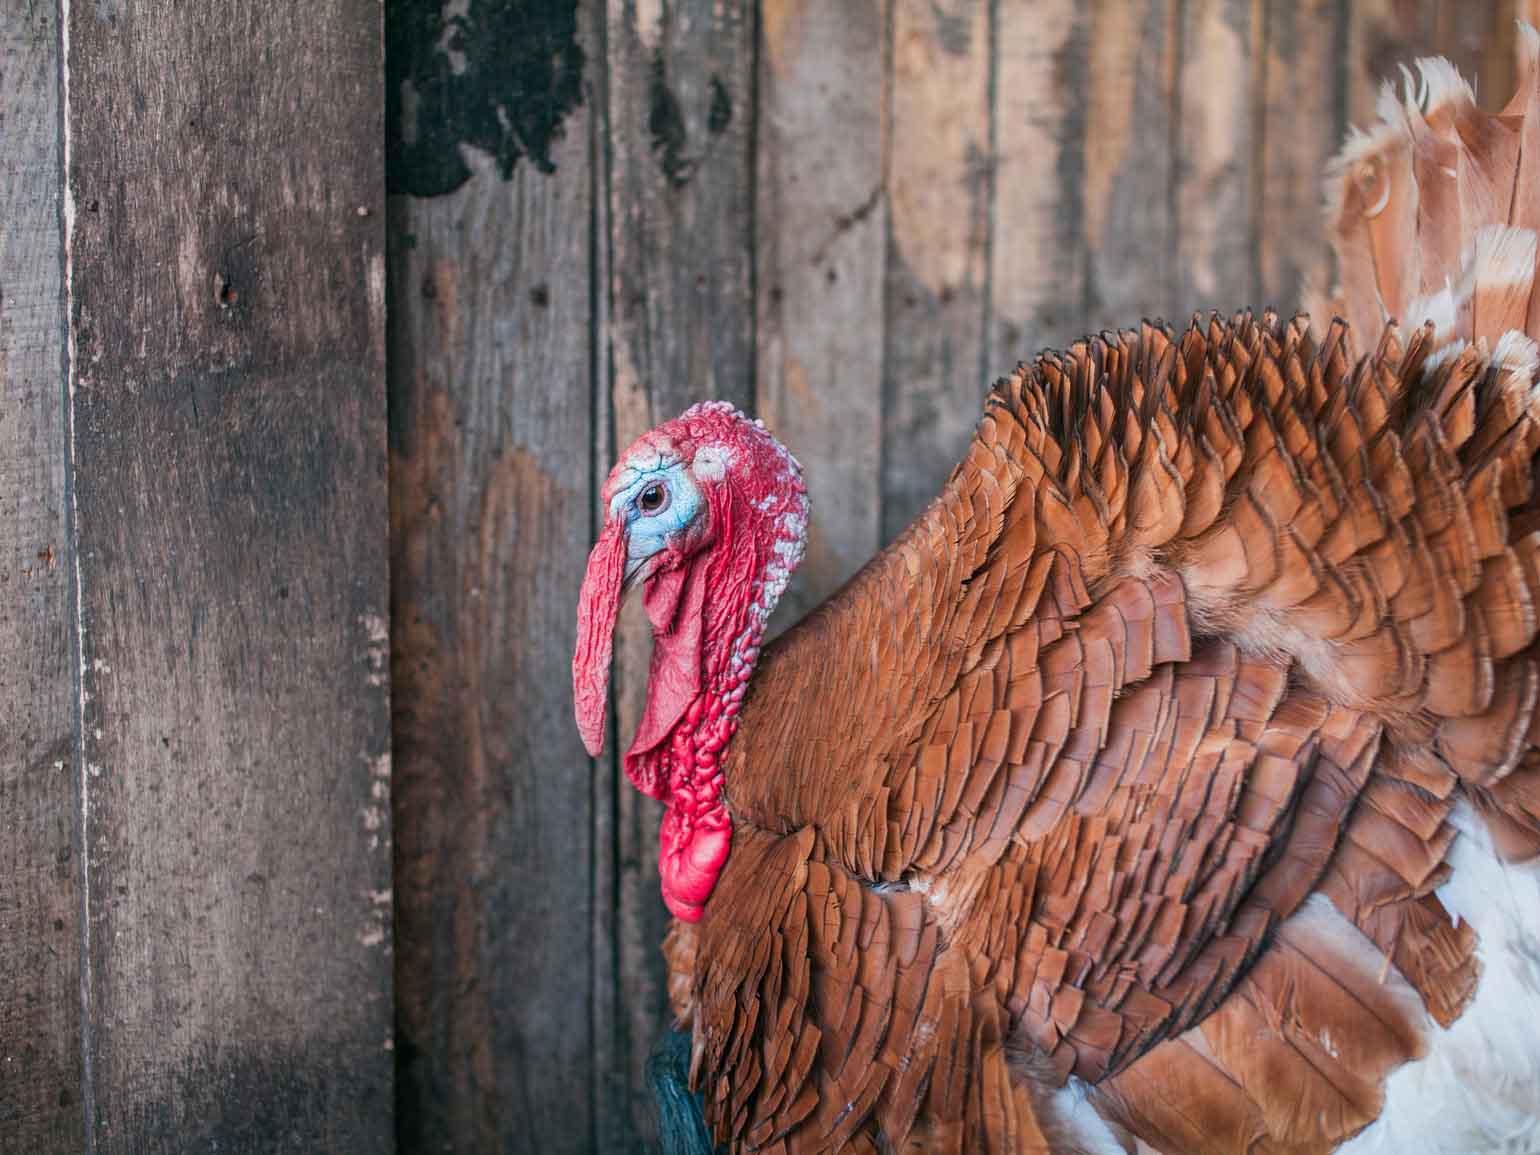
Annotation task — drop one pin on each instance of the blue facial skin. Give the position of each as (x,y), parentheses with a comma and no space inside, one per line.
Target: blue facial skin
(649,534)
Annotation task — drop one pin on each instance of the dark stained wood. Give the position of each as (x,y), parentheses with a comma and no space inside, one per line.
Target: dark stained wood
(1218,147)
(1497,74)
(1037,253)
(39,905)
(1129,187)
(1478,38)
(680,77)
(1476,35)
(1303,118)
(680,191)
(820,229)
(1381,35)
(492,440)
(939,195)
(227,294)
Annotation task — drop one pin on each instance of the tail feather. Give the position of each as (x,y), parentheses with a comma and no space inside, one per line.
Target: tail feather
(1434,214)
(680,1118)
(1434,211)
(1502,265)
(1524,109)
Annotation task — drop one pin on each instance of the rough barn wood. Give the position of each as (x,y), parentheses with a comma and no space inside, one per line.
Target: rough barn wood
(195,853)
(846,219)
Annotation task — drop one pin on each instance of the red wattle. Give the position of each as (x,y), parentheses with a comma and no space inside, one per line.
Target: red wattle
(598,607)
(660,598)
(673,601)
(692,848)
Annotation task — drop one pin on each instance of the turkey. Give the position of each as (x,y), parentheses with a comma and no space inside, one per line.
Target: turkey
(1172,783)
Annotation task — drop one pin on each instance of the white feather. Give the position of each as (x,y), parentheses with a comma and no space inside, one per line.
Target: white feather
(1441,84)
(1516,351)
(1478,1089)
(1501,255)
(1081,1123)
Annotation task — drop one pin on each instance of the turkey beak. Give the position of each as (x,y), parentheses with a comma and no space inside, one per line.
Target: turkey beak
(598,607)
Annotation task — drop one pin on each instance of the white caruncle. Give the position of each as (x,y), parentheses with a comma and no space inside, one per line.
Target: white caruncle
(711,462)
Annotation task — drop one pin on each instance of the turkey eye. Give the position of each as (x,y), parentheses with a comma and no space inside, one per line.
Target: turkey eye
(652,499)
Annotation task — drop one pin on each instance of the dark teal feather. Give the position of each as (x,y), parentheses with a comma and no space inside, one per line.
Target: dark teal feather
(681,1119)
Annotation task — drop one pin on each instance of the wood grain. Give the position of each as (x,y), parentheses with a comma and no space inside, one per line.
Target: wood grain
(1498,73)
(1037,251)
(679,107)
(820,228)
(939,194)
(39,905)
(228,431)
(491,439)
(1130,193)
(1218,143)
(1303,120)
(1478,38)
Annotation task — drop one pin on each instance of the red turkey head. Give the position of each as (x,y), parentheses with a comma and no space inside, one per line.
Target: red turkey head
(707,514)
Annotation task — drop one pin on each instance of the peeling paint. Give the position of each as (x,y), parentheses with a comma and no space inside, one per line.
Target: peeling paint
(649,23)
(496,76)
(377,654)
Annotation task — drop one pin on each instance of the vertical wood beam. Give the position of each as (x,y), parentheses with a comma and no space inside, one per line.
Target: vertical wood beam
(1302,73)
(821,221)
(1218,155)
(1037,242)
(226,287)
(939,197)
(40,1106)
(492,432)
(1130,163)
(680,81)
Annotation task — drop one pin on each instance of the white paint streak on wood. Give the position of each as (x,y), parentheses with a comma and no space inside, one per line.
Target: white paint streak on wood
(649,23)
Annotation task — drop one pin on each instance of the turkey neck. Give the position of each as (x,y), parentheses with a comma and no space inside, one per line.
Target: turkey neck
(740,581)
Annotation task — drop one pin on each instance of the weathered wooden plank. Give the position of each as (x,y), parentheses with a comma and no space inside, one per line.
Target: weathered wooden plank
(1037,254)
(491,443)
(820,224)
(1304,117)
(1130,193)
(1219,147)
(1381,35)
(1497,76)
(39,907)
(680,329)
(939,195)
(1384,35)
(1478,39)
(227,296)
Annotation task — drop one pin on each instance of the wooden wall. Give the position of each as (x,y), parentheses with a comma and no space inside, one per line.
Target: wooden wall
(228,480)
(846,217)
(195,891)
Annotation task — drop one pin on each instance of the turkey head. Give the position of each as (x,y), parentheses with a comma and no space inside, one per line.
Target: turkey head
(707,514)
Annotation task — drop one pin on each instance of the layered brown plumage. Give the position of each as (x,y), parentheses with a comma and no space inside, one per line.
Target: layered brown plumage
(1134,758)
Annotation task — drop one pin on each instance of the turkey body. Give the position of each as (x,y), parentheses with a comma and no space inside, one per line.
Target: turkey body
(1173,782)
